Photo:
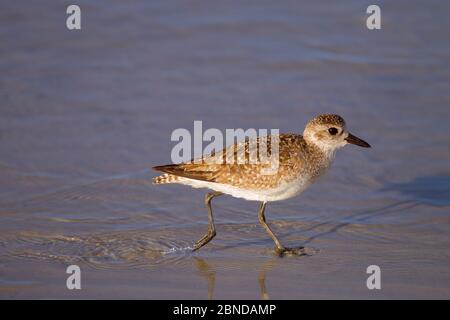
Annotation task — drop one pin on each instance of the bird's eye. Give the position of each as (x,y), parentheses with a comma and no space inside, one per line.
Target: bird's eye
(333,131)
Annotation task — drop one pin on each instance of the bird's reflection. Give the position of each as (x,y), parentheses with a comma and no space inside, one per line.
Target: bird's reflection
(209,273)
(266,267)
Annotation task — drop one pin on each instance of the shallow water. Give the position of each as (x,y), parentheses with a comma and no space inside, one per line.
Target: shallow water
(84,116)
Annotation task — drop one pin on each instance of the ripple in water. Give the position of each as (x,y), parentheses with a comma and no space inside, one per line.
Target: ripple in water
(118,250)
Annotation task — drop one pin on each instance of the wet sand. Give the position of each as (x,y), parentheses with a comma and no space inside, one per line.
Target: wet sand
(84,115)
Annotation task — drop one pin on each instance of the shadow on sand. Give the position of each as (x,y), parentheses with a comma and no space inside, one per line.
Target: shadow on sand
(432,190)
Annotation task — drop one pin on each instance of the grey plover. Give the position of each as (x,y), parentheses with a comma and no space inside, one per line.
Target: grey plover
(301,160)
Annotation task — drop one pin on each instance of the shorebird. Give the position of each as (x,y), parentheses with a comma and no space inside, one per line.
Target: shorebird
(301,160)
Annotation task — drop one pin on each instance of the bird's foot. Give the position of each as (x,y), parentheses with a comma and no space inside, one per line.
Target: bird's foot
(295,251)
(204,240)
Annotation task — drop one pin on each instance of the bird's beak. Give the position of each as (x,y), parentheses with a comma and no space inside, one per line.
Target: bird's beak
(357,141)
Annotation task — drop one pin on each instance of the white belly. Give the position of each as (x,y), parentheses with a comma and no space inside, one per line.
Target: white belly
(282,192)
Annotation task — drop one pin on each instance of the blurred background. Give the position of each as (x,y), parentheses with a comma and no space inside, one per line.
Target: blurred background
(85,114)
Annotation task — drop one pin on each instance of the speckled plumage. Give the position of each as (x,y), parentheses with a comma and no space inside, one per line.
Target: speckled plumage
(296,157)
(301,161)
(242,170)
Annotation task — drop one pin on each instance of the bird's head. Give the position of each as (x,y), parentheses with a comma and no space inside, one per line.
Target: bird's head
(329,133)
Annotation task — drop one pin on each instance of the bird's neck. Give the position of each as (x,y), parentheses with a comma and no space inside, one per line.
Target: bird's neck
(320,158)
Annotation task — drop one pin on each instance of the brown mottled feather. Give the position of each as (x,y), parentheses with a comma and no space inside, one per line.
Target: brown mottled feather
(295,158)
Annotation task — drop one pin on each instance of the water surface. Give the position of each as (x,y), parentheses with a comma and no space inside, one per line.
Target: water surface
(84,116)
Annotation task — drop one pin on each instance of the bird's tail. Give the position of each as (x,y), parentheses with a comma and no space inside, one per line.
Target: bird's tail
(165,178)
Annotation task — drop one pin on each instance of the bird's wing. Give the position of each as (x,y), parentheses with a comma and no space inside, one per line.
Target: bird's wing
(190,170)
(247,167)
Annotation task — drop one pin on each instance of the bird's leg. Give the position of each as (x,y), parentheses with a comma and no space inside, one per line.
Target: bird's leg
(262,220)
(211,228)
(279,249)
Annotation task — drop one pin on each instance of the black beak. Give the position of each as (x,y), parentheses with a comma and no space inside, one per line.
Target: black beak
(357,141)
